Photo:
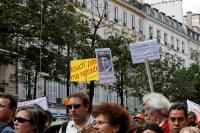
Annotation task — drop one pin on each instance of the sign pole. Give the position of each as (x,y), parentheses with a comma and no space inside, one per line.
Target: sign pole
(149,75)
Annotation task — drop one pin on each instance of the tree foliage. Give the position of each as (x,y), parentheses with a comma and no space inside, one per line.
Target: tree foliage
(42,33)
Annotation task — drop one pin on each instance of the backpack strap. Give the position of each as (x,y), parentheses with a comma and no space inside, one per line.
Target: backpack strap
(64,126)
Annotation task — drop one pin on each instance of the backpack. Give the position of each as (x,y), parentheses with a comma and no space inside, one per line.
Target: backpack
(64,126)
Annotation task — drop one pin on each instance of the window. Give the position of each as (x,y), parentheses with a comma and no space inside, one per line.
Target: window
(158,36)
(124,18)
(165,38)
(177,44)
(150,32)
(84,4)
(172,42)
(183,47)
(106,9)
(140,26)
(115,14)
(133,22)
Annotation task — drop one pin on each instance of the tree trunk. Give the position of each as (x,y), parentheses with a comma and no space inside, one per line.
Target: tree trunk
(29,86)
(91,95)
(35,83)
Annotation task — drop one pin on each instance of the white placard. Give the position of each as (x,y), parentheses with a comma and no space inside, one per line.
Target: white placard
(194,108)
(42,102)
(147,50)
(105,65)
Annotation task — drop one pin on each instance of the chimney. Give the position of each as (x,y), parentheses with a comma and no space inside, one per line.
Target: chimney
(189,19)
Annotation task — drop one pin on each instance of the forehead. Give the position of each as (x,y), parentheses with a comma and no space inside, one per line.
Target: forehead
(102,117)
(176,113)
(4,101)
(77,100)
(23,114)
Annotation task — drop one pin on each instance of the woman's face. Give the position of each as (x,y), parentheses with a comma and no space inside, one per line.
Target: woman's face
(22,123)
(102,125)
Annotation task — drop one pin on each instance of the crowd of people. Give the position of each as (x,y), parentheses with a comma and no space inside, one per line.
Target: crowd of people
(160,116)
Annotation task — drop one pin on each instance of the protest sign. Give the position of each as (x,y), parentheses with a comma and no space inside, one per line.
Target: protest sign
(42,102)
(83,70)
(105,65)
(147,50)
(194,108)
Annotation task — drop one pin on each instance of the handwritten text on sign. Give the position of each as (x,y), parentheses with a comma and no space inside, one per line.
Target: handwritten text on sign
(83,70)
(148,50)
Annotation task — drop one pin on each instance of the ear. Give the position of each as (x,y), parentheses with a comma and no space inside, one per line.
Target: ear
(13,112)
(116,128)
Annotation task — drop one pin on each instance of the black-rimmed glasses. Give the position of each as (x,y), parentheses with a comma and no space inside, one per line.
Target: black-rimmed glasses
(20,119)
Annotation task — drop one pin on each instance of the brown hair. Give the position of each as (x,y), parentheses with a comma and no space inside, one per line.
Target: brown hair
(117,115)
(83,96)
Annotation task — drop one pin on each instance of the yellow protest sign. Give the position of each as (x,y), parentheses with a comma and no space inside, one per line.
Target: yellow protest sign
(83,70)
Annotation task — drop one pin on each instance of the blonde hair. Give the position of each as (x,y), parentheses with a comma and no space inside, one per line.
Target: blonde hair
(190,130)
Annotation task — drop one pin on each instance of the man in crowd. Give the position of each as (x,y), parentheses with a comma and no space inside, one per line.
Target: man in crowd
(78,106)
(105,63)
(156,110)
(8,105)
(191,119)
(177,118)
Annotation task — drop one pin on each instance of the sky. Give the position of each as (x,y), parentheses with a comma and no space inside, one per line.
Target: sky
(188,5)
(191,5)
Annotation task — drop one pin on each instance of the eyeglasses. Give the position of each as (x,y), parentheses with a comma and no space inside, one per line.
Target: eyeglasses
(75,106)
(20,119)
(149,110)
(100,123)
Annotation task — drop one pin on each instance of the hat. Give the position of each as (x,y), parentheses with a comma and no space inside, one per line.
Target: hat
(140,116)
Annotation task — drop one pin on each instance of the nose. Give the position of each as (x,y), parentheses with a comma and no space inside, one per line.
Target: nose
(176,122)
(96,127)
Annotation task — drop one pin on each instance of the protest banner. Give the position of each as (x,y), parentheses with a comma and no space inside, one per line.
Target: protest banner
(83,70)
(144,52)
(194,108)
(147,50)
(42,102)
(105,65)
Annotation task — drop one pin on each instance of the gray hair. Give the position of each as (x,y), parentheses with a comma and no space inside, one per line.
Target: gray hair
(190,130)
(157,101)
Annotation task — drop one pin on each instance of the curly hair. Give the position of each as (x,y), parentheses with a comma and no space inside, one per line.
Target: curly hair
(117,115)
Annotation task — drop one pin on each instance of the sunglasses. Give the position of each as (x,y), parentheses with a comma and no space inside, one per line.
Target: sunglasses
(20,119)
(75,106)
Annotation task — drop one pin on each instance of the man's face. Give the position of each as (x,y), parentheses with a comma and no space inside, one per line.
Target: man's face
(105,62)
(151,114)
(77,111)
(6,113)
(177,120)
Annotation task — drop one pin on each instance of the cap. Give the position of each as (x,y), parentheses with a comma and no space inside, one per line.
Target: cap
(140,116)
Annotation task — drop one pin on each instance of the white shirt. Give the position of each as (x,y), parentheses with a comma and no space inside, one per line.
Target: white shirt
(71,126)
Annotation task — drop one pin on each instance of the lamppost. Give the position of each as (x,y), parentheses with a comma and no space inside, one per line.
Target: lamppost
(65,102)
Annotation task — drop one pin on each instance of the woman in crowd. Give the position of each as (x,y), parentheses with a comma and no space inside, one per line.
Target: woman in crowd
(149,128)
(190,130)
(111,118)
(29,119)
